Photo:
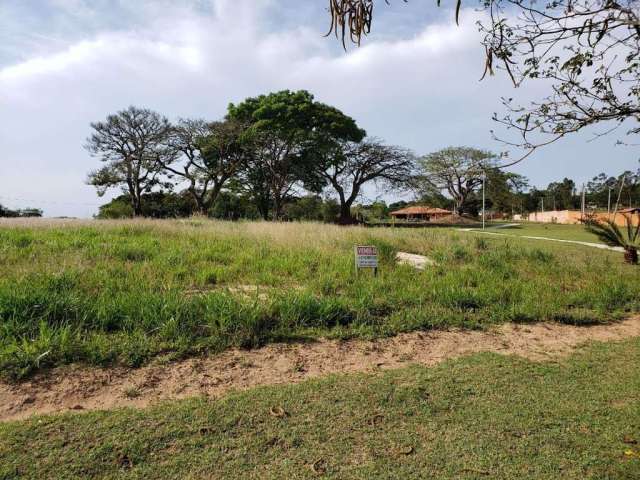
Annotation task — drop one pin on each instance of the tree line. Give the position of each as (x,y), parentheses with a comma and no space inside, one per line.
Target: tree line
(265,151)
(19,213)
(285,156)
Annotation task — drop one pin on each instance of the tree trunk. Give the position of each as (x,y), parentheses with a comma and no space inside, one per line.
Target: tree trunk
(345,215)
(277,208)
(208,201)
(136,204)
(631,255)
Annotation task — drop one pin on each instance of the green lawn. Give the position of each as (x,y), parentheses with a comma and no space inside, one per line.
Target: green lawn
(548,230)
(485,416)
(122,292)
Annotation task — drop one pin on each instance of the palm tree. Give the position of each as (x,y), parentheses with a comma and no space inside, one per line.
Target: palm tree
(610,234)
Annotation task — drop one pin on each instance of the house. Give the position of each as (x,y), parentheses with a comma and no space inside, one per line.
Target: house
(426,214)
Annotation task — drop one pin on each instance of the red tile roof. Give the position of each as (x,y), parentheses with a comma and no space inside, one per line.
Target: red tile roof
(417,210)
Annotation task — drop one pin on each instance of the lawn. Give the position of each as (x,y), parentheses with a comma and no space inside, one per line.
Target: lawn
(548,230)
(485,416)
(124,292)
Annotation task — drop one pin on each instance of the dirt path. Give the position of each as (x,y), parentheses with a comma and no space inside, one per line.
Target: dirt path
(86,388)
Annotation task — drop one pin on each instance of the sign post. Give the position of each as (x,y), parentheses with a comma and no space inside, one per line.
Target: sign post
(366,257)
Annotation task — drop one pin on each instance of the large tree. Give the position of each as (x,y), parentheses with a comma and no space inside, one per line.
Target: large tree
(348,166)
(586,51)
(457,171)
(285,126)
(207,156)
(132,146)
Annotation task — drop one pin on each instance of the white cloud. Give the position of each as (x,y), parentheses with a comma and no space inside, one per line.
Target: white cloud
(421,91)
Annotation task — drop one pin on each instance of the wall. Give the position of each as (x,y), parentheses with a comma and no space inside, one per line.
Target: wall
(568,217)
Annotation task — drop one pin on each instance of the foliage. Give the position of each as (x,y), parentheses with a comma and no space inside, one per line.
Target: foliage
(457,170)
(287,126)
(610,234)
(349,166)
(131,144)
(207,156)
(153,205)
(122,292)
(25,212)
(229,206)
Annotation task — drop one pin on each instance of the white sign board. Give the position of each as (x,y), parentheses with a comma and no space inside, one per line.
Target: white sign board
(366,257)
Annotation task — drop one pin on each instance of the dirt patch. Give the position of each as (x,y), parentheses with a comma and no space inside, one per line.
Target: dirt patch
(419,262)
(75,388)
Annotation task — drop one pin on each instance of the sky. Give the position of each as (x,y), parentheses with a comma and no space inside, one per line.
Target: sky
(414,82)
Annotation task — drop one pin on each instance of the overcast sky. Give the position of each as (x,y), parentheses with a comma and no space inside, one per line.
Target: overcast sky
(66,63)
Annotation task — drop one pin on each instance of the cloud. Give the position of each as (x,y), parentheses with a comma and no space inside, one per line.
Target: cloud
(420,90)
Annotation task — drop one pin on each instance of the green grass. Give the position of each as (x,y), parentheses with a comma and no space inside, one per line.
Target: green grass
(485,416)
(549,230)
(123,292)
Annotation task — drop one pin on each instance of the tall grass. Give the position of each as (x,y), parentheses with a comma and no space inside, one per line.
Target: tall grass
(123,292)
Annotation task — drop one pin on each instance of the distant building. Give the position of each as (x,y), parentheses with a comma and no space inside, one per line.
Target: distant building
(426,214)
(567,217)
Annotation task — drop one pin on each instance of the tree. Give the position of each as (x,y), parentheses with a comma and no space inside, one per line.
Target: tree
(25,212)
(154,205)
(562,195)
(285,127)
(503,189)
(229,206)
(602,190)
(207,156)
(455,170)
(307,208)
(351,165)
(132,145)
(588,51)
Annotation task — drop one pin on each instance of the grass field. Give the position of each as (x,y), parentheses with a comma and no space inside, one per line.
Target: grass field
(485,416)
(549,230)
(123,292)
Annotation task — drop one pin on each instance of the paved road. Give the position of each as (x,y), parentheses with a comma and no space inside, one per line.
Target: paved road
(574,242)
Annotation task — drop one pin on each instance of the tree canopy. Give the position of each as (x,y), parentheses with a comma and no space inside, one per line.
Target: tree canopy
(351,165)
(206,156)
(287,128)
(132,146)
(456,170)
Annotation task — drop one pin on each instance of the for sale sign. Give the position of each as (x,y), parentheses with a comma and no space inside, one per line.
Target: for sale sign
(366,256)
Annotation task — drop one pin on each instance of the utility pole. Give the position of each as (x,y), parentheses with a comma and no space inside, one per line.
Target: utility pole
(615,212)
(609,203)
(484,180)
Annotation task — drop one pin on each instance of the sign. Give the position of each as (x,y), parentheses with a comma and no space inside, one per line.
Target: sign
(366,257)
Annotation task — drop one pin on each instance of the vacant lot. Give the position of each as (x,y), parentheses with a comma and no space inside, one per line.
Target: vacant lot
(485,416)
(124,292)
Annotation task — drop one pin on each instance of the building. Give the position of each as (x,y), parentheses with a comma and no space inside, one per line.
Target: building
(568,217)
(420,213)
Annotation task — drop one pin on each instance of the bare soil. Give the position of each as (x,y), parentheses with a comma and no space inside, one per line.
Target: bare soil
(82,388)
